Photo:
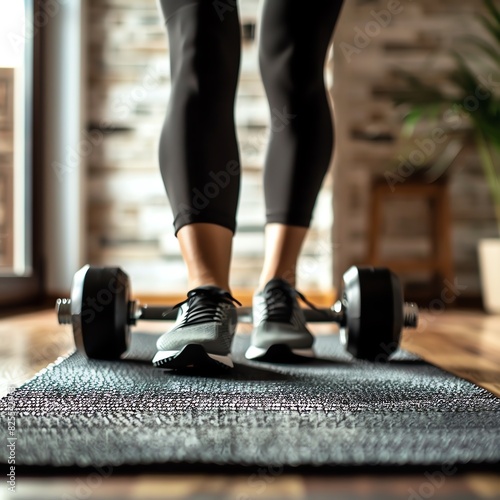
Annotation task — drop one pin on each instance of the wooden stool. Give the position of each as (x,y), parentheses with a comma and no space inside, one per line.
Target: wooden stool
(440,263)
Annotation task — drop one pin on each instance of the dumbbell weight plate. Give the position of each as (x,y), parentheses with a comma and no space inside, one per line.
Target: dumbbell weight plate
(373,303)
(99,311)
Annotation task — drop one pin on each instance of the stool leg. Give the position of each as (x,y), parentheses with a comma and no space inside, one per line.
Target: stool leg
(443,249)
(375,223)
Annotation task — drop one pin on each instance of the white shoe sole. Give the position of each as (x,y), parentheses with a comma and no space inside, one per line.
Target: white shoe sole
(254,352)
(163,359)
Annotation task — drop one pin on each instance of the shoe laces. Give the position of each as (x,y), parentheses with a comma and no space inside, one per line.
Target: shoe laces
(203,306)
(279,303)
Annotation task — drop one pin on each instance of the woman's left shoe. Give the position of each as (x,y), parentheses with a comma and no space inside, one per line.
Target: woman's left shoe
(279,324)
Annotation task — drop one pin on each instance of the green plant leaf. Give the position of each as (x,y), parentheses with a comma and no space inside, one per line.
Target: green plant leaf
(492,174)
(445,159)
(493,10)
(490,50)
(416,91)
(494,30)
(411,120)
(481,109)
(464,75)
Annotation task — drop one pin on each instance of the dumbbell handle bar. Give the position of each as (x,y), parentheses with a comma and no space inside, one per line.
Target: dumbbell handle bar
(335,314)
(244,314)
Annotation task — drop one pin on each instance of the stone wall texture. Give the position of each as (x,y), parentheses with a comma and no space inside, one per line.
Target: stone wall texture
(130,222)
(373,39)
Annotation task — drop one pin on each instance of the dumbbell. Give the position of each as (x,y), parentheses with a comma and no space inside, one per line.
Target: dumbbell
(371,312)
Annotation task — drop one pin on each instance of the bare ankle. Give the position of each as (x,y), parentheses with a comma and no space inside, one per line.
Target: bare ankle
(195,283)
(265,279)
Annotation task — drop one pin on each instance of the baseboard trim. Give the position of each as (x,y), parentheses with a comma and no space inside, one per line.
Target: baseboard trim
(323,298)
(320,298)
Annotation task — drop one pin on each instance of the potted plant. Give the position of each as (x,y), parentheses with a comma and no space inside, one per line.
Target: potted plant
(470,109)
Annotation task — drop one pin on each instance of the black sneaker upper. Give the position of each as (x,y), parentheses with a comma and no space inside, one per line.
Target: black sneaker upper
(203,305)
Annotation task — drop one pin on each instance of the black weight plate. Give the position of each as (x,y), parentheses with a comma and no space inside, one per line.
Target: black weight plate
(374,307)
(104,312)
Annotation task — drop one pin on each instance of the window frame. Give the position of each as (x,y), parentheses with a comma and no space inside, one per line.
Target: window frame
(16,290)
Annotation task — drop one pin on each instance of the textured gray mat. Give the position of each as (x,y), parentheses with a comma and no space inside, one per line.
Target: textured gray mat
(331,411)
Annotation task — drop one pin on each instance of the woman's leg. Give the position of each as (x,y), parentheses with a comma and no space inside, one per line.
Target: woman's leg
(198,153)
(294,39)
(283,244)
(200,166)
(206,249)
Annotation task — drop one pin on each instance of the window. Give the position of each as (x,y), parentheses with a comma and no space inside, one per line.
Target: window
(19,41)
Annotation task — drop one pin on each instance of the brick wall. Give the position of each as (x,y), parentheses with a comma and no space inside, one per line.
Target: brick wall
(7,84)
(129,216)
(130,222)
(373,38)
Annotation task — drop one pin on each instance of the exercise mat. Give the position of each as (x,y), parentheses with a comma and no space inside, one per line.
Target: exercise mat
(333,410)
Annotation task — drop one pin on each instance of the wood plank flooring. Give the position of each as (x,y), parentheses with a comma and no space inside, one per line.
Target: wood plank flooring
(464,343)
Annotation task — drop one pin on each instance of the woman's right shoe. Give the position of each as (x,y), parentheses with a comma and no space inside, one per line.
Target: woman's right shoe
(203,332)
(279,324)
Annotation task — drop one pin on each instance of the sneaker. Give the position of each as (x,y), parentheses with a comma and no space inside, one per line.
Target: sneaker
(279,323)
(203,331)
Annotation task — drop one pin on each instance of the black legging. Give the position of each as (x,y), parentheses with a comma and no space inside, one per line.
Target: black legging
(199,156)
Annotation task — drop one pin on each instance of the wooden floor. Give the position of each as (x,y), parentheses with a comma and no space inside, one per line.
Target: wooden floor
(464,343)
